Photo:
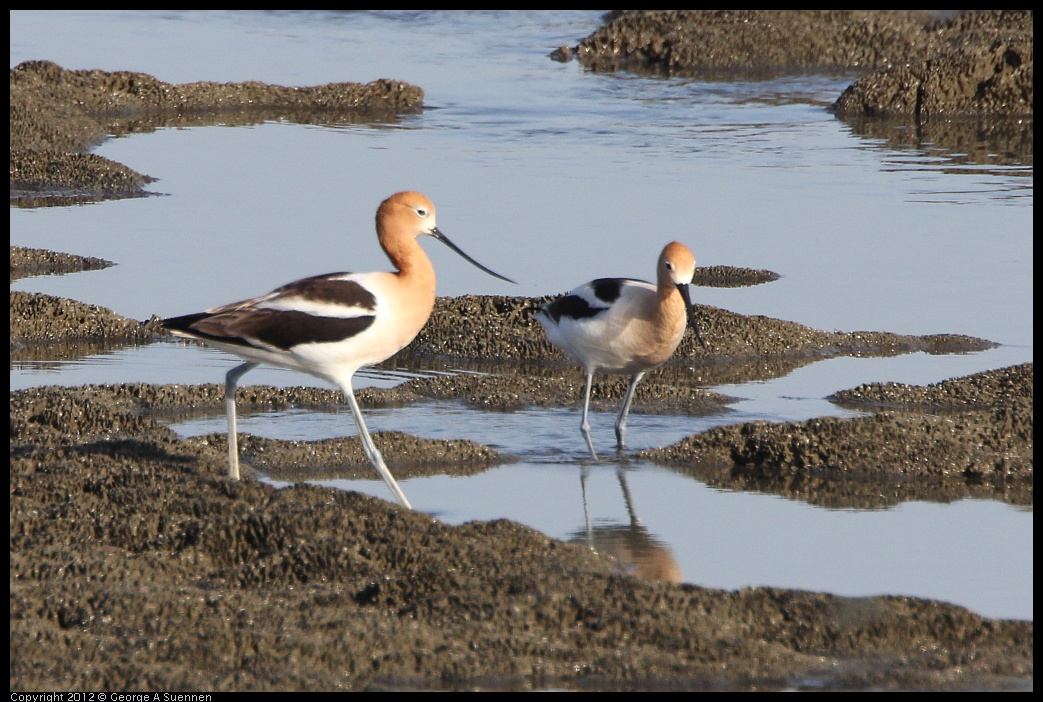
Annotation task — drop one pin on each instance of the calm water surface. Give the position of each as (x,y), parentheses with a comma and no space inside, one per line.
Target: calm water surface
(552,175)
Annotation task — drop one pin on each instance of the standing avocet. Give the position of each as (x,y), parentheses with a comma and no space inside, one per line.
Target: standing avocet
(332,325)
(621,325)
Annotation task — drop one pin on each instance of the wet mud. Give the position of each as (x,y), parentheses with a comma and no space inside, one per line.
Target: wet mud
(135,564)
(958,81)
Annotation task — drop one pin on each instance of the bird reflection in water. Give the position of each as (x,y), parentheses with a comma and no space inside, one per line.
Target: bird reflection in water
(637,550)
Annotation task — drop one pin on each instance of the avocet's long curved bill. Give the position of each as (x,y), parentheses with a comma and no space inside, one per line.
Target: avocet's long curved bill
(683,289)
(442,238)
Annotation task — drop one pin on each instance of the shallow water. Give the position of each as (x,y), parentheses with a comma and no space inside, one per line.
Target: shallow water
(552,175)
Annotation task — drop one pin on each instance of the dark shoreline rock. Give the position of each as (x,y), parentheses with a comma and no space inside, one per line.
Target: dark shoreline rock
(136,565)
(956,81)
(27,262)
(57,115)
(915,63)
(877,460)
(761,42)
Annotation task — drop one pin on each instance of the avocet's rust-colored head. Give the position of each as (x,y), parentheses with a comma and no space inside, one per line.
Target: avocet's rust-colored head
(412,214)
(677,267)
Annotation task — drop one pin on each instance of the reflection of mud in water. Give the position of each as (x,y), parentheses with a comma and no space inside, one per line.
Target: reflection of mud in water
(991,145)
(637,550)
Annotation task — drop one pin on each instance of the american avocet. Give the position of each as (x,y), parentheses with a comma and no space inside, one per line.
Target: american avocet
(621,325)
(332,325)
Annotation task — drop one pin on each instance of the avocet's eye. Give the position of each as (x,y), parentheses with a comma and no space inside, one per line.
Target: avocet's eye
(421,212)
(669,266)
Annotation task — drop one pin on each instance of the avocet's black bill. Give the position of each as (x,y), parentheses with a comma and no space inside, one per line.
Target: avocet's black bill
(691,314)
(441,237)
